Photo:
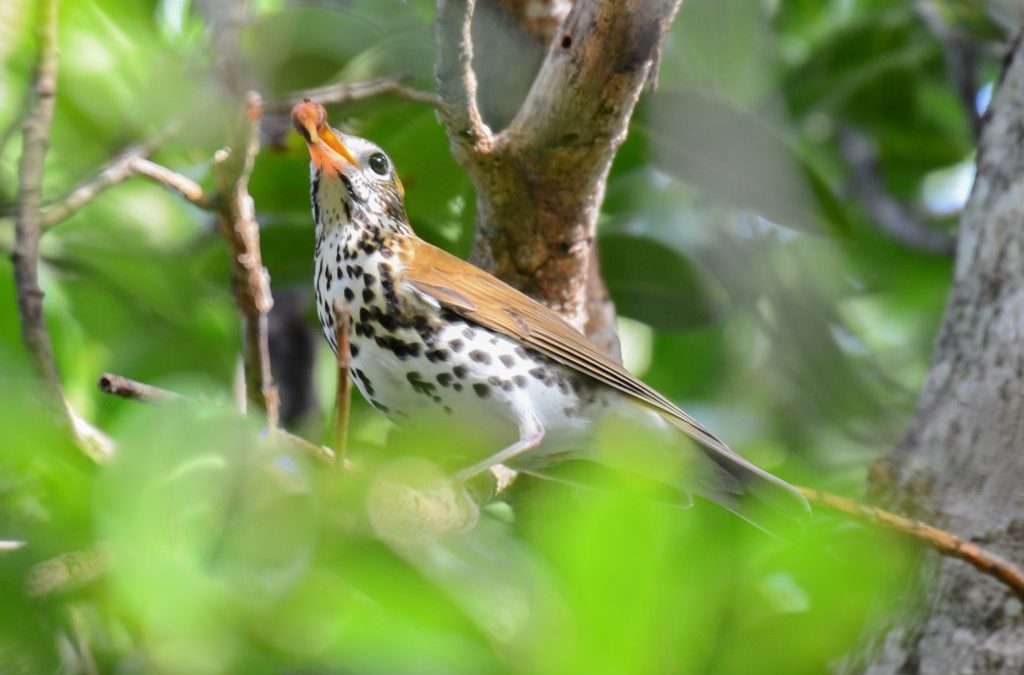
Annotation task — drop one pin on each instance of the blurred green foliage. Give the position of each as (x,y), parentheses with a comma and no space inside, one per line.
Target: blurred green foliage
(762,298)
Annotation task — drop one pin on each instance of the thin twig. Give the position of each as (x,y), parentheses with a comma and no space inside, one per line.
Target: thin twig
(117,170)
(117,385)
(183,185)
(68,571)
(891,216)
(946,543)
(28,223)
(343,395)
(250,279)
(350,92)
(456,81)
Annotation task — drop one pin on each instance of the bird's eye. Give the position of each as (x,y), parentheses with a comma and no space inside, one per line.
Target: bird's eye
(379,163)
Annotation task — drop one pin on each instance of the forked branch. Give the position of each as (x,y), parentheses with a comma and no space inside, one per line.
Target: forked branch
(28,220)
(456,81)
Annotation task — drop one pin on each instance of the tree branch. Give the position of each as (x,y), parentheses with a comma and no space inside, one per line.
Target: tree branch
(351,92)
(893,218)
(943,542)
(456,81)
(117,170)
(250,280)
(118,385)
(28,222)
(541,180)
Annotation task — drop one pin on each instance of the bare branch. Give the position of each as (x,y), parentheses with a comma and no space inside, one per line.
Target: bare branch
(892,217)
(456,81)
(540,181)
(28,222)
(350,92)
(118,385)
(183,185)
(251,282)
(343,396)
(116,171)
(137,391)
(943,542)
(68,571)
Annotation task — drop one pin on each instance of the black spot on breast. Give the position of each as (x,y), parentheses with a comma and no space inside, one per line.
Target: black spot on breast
(519,380)
(460,371)
(540,373)
(456,345)
(468,333)
(349,295)
(369,279)
(361,376)
(337,258)
(507,360)
(444,379)
(435,355)
(457,387)
(367,295)
(419,385)
(480,356)
(482,390)
(448,410)
(353,349)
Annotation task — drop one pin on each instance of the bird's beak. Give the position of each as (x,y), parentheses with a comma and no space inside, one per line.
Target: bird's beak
(325,148)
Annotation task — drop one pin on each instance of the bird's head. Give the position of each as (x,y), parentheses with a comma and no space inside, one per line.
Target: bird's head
(353,180)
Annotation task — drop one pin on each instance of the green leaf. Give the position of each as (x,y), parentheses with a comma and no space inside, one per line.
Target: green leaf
(658,285)
(734,157)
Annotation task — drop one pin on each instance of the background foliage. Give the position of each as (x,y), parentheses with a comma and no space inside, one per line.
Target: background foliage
(755,289)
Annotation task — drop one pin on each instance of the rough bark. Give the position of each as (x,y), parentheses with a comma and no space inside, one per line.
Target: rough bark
(541,180)
(961,463)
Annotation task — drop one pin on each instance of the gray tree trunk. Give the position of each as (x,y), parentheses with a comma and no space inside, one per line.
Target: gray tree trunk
(961,463)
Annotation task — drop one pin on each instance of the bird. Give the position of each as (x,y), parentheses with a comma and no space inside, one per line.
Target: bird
(434,337)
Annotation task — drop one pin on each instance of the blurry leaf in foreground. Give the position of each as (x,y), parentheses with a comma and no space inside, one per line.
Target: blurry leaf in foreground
(658,285)
(734,157)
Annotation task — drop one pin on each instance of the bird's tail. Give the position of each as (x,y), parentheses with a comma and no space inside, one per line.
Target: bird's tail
(728,479)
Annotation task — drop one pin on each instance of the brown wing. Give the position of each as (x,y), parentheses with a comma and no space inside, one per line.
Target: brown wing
(485,299)
(488,301)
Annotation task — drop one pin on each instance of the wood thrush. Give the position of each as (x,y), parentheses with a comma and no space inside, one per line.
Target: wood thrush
(433,335)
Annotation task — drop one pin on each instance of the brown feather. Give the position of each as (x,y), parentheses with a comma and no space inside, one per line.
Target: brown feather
(483,298)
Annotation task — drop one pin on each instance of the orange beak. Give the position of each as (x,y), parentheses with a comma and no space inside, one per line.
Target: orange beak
(325,148)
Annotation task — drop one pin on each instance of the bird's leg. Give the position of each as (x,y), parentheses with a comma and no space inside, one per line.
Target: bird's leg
(531,433)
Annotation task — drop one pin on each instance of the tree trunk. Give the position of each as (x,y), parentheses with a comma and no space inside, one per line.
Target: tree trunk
(961,463)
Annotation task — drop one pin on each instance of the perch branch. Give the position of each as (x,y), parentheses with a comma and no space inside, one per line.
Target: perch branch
(943,542)
(343,396)
(456,81)
(234,206)
(28,221)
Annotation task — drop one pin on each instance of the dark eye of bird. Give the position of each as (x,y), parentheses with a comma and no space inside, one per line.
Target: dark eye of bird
(379,163)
